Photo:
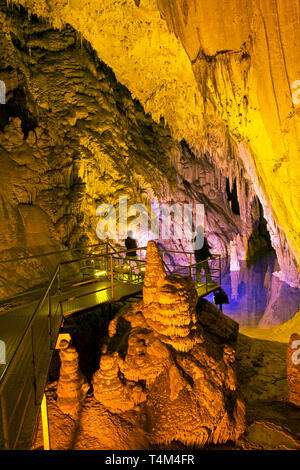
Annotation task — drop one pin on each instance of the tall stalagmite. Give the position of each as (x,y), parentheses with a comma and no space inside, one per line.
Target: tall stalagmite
(167,369)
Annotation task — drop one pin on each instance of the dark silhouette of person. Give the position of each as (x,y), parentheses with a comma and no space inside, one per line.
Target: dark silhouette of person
(131,255)
(131,244)
(201,256)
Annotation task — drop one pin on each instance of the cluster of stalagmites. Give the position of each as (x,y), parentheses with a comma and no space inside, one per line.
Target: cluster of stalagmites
(164,373)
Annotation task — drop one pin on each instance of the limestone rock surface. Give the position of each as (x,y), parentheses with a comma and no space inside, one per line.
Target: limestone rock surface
(72,138)
(221,74)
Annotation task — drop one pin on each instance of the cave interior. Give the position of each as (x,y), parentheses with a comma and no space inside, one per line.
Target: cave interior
(158,103)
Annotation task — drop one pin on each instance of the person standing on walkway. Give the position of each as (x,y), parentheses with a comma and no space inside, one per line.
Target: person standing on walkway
(131,255)
(201,256)
(131,245)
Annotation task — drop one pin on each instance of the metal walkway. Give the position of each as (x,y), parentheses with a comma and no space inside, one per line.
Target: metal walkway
(30,330)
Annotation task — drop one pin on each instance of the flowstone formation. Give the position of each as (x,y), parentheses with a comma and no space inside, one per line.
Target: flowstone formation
(168,369)
(72,138)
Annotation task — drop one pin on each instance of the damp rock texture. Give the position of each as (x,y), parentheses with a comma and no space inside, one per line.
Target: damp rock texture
(164,372)
(222,74)
(73,138)
(72,385)
(293,369)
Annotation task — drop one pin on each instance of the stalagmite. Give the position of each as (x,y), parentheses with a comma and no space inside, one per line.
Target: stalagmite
(234,262)
(179,373)
(72,385)
(109,388)
(154,273)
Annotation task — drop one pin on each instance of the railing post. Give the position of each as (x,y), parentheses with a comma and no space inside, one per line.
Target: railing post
(4,422)
(45,424)
(60,290)
(111,276)
(33,365)
(106,258)
(50,319)
(191,261)
(220,274)
(59,278)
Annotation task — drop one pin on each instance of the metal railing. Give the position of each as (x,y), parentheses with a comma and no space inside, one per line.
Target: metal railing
(212,276)
(117,268)
(25,267)
(23,381)
(172,265)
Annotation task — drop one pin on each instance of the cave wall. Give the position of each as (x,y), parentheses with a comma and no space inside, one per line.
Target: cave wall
(245,58)
(72,138)
(216,71)
(209,95)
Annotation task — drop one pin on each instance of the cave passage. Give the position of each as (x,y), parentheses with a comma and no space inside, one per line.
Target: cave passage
(111,113)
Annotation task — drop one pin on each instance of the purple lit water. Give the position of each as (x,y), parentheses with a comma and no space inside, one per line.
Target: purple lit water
(257,298)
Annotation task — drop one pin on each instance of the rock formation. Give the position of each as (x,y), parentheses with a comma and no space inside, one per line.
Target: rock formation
(109,389)
(72,385)
(293,369)
(163,361)
(170,304)
(222,76)
(71,138)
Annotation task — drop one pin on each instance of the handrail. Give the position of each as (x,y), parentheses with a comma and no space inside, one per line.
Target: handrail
(87,258)
(215,273)
(13,359)
(50,253)
(57,270)
(198,263)
(27,291)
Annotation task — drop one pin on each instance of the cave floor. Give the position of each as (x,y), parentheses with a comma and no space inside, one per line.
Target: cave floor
(272,422)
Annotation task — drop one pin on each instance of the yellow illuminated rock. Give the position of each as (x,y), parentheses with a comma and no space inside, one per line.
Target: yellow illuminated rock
(216,71)
(162,363)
